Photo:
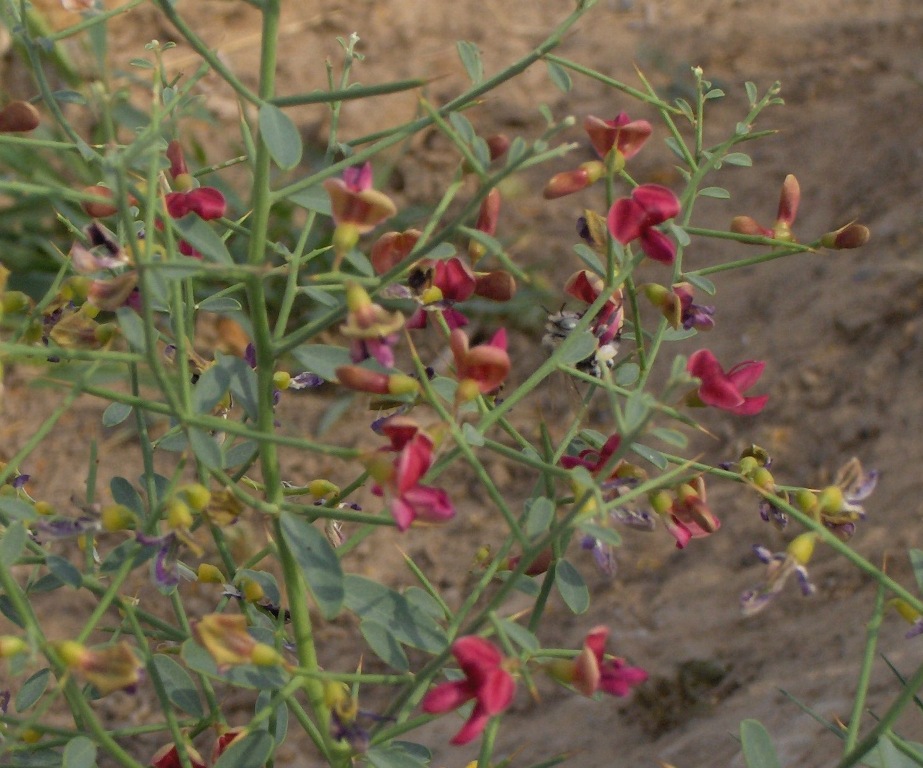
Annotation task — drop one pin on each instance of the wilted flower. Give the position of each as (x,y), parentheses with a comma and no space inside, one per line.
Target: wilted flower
(788,210)
(677,307)
(392,248)
(724,389)
(110,668)
(688,515)
(590,671)
(398,478)
(851,235)
(636,218)
(779,566)
(226,638)
(372,329)
(838,506)
(486,682)
(481,369)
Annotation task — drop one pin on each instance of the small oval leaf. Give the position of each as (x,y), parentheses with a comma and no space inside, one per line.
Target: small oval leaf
(571,586)
(281,137)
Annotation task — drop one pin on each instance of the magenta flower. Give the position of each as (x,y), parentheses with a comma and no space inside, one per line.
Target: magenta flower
(592,672)
(587,287)
(595,460)
(206,202)
(356,208)
(486,682)
(623,134)
(723,389)
(398,479)
(789,199)
(439,287)
(689,516)
(635,218)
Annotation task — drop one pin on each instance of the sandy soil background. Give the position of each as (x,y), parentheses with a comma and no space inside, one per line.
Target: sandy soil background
(841,334)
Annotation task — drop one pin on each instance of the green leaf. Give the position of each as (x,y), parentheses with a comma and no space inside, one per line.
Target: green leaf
(520,635)
(280,135)
(322,359)
(517,149)
(251,751)
(674,146)
(539,514)
(31,690)
(738,158)
(670,436)
(686,109)
(471,59)
(123,492)
(607,536)
(916,562)
(637,411)
(654,457)
(239,453)
(313,198)
(463,127)
(242,381)
(116,413)
(702,283)
(559,76)
(372,601)
(210,389)
(579,347)
(205,448)
(752,93)
(523,583)
(124,551)
(177,683)
(571,586)
(80,752)
(589,257)
(17,509)
(132,328)
(757,746)
(280,713)
(398,754)
(200,235)
(886,755)
(719,193)
(64,570)
(715,93)
(678,334)
(12,543)
(471,435)
(219,304)
(384,644)
(318,562)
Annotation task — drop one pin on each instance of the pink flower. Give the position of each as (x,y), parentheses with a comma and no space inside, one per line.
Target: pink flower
(635,218)
(724,389)
(622,134)
(486,681)
(689,516)
(206,202)
(398,479)
(481,369)
(440,286)
(592,672)
(594,460)
(588,286)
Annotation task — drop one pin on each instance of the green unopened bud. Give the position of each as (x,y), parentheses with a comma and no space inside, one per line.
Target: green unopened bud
(401,384)
(265,655)
(748,465)
(763,478)
(345,237)
(661,502)
(15,301)
(322,489)
(806,500)
(281,379)
(184,182)
(209,574)
(830,500)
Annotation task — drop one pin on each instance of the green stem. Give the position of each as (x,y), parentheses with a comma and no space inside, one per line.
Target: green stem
(865,671)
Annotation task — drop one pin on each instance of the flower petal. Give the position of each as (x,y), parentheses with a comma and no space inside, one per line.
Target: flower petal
(657,246)
(626,220)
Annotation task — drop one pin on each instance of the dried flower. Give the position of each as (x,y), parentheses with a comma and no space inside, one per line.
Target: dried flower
(779,566)
(481,369)
(110,668)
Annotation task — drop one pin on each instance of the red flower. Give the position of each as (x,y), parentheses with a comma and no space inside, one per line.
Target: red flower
(724,389)
(206,202)
(635,218)
(441,285)
(481,369)
(591,672)
(622,134)
(587,286)
(486,681)
(689,516)
(592,459)
(399,479)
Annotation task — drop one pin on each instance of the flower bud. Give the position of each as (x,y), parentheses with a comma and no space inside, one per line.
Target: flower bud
(252,590)
(802,547)
(467,391)
(98,210)
(197,496)
(762,478)
(851,236)
(345,237)
(209,574)
(830,500)
(18,116)
(498,144)
(265,656)
(806,500)
(745,225)
(179,516)
(748,465)
(498,285)
(907,612)
(661,502)
(322,489)
(117,517)
(566,183)
(11,646)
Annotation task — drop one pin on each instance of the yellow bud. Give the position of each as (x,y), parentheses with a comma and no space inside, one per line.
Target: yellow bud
(197,496)
(661,502)
(321,489)
(802,547)
(281,379)
(43,508)
(431,295)
(357,298)
(334,694)
(806,500)
(904,609)
(71,652)
(252,590)
(183,182)
(748,465)
(178,514)
(30,735)
(209,574)
(763,478)
(345,237)
(89,310)
(265,655)
(117,517)
(15,301)
(831,499)
(595,170)
(401,384)
(11,646)
(467,391)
